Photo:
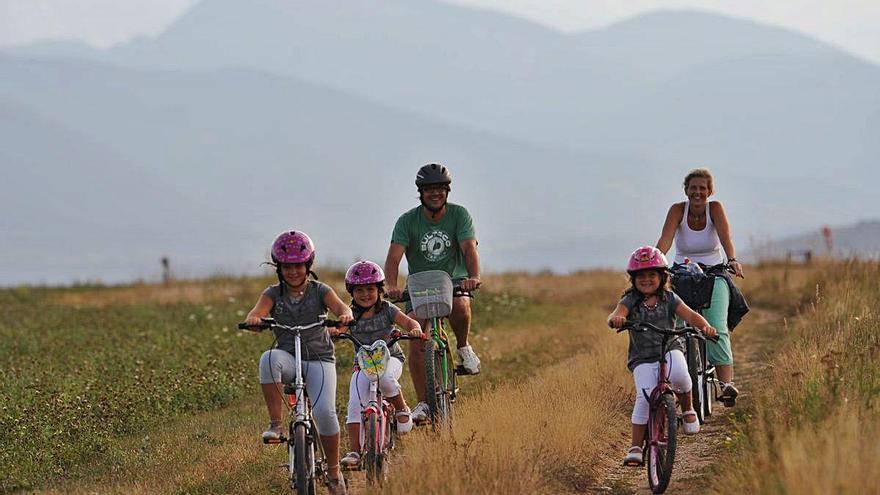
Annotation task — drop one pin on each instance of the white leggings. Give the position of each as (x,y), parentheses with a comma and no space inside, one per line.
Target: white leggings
(277,366)
(645,376)
(359,388)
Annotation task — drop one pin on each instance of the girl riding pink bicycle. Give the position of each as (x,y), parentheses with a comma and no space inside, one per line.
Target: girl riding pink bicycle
(649,299)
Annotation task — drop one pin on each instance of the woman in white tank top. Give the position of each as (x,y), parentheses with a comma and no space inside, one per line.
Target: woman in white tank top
(700,230)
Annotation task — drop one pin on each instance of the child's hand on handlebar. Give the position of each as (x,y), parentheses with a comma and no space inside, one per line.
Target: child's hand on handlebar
(616,321)
(709,331)
(416,333)
(253,321)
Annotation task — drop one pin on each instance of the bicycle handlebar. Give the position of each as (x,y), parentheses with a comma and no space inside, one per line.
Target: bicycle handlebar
(686,330)
(395,336)
(457,291)
(267,323)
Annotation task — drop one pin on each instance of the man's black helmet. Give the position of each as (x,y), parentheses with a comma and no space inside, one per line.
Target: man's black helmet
(433,173)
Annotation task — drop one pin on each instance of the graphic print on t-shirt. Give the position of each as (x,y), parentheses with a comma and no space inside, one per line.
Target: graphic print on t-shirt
(435,245)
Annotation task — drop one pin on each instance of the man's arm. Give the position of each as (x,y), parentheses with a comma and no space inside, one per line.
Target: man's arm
(472,263)
(392,267)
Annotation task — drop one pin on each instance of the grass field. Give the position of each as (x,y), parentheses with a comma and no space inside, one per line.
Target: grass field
(149,389)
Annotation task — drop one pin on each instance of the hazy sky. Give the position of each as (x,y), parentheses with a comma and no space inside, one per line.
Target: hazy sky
(850,24)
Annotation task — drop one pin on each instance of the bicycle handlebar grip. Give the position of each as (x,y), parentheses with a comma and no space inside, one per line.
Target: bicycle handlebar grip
(261,326)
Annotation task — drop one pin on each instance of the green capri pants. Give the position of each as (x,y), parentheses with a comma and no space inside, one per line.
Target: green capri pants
(719,353)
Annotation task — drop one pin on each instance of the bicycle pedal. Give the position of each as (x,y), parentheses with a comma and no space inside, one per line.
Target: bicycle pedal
(268,441)
(461,370)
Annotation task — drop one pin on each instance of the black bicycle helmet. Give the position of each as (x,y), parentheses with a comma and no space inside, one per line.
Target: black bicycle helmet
(433,173)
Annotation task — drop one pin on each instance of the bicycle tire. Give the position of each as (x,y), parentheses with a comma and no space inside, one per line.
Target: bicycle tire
(695,370)
(661,443)
(710,392)
(371,457)
(437,396)
(302,461)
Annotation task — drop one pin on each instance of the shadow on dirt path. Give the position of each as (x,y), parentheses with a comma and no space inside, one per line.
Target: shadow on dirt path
(697,456)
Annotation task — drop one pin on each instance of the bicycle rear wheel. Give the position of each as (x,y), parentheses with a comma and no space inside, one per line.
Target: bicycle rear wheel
(302,460)
(437,385)
(662,429)
(698,377)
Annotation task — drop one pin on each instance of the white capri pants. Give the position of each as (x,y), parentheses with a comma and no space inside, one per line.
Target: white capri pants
(359,389)
(278,366)
(645,376)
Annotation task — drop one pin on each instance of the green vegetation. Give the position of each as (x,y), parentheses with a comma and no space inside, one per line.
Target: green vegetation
(83,367)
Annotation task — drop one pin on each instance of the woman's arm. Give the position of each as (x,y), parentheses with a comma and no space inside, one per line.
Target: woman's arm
(722,226)
(694,319)
(673,218)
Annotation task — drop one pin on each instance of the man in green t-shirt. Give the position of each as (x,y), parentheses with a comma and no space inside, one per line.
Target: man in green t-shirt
(436,236)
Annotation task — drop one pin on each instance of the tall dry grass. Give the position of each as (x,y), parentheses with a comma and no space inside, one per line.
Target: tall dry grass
(819,415)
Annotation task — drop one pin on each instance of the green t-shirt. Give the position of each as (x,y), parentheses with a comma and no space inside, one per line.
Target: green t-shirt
(435,246)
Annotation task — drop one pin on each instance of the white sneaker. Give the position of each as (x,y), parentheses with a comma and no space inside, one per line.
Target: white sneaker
(419,413)
(469,360)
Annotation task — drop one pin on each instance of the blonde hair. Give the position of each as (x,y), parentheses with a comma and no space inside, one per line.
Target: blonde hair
(701,173)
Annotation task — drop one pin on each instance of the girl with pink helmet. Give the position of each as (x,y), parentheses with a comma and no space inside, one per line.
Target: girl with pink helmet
(649,299)
(300,299)
(375,319)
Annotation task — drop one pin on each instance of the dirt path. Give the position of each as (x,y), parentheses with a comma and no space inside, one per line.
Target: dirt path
(697,455)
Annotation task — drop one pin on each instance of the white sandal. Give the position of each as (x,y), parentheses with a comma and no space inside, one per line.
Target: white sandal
(634,457)
(690,428)
(404,427)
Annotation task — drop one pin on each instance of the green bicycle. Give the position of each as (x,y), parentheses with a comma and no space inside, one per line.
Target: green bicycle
(431,293)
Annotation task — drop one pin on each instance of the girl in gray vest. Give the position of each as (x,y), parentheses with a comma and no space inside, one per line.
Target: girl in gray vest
(649,299)
(375,319)
(298,300)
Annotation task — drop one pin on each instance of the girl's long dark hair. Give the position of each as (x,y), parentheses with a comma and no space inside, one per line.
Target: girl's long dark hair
(661,291)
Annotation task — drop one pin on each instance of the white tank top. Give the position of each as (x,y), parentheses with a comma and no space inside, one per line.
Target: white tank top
(702,246)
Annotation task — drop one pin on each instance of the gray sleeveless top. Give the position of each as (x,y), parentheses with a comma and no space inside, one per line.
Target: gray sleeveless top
(287,310)
(644,347)
(379,326)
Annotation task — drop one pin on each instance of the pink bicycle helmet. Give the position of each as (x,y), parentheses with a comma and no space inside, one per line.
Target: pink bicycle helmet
(646,258)
(363,273)
(293,247)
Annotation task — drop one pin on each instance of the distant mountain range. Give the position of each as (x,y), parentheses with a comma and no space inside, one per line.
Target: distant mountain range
(245,118)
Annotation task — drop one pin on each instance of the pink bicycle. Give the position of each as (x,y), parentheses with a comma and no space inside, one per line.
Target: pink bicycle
(660,439)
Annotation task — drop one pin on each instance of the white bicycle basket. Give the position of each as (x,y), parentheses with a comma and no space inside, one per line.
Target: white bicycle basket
(430,293)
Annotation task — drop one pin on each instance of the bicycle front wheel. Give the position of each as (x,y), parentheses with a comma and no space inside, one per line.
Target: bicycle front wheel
(437,383)
(372,456)
(302,461)
(662,429)
(710,392)
(696,371)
